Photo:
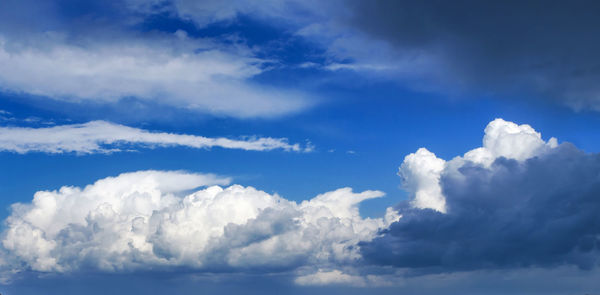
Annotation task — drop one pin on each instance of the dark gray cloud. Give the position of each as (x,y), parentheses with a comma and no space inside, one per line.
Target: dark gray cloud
(543,212)
(547,49)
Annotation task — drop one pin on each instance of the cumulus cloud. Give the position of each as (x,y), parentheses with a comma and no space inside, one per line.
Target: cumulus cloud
(105,137)
(420,174)
(516,202)
(191,74)
(146,221)
(421,171)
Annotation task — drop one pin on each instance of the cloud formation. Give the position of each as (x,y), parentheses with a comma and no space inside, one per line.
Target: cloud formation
(509,47)
(198,75)
(503,49)
(105,137)
(141,221)
(338,277)
(516,202)
(421,171)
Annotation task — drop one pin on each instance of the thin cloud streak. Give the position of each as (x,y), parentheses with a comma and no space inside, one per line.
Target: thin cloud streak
(105,137)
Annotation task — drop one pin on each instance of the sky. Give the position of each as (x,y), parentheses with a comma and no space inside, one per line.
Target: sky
(295,147)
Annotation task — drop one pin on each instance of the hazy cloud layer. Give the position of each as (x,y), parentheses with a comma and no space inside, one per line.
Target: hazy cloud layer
(139,221)
(192,74)
(338,277)
(106,137)
(100,52)
(536,47)
(508,49)
(516,202)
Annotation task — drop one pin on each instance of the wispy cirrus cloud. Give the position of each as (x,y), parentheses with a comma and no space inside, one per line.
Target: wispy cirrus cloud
(172,70)
(106,137)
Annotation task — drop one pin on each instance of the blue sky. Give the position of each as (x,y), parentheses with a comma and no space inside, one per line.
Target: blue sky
(117,119)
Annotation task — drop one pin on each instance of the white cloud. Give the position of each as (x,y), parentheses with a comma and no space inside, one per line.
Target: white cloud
(421,171)
(185,73)
(334,277)
(338,277)
(509,140)
(139,221)
(104,137)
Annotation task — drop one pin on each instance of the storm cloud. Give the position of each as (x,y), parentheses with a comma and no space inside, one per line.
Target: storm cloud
(546,49)
(541,211)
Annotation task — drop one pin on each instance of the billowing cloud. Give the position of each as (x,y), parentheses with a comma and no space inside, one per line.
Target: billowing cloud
(105,137)
(420,174)
(143,221)
(421,171)
(516,202)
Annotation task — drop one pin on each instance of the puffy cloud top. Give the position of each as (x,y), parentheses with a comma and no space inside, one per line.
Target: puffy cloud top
(139,221)
(421,171)
(518,201)
(511,141)
(420,174)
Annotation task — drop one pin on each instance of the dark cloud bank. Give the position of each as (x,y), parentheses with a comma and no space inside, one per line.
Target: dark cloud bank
(534,48)
(543,212)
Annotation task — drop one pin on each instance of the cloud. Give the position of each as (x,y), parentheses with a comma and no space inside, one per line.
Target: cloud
(508,47)
(100,53)
(516,202)
(330,278)
(142,221)
(338,277)
(420,174)
(106,137)
(421,171)
(533,50)
(198,75)
(502,49)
